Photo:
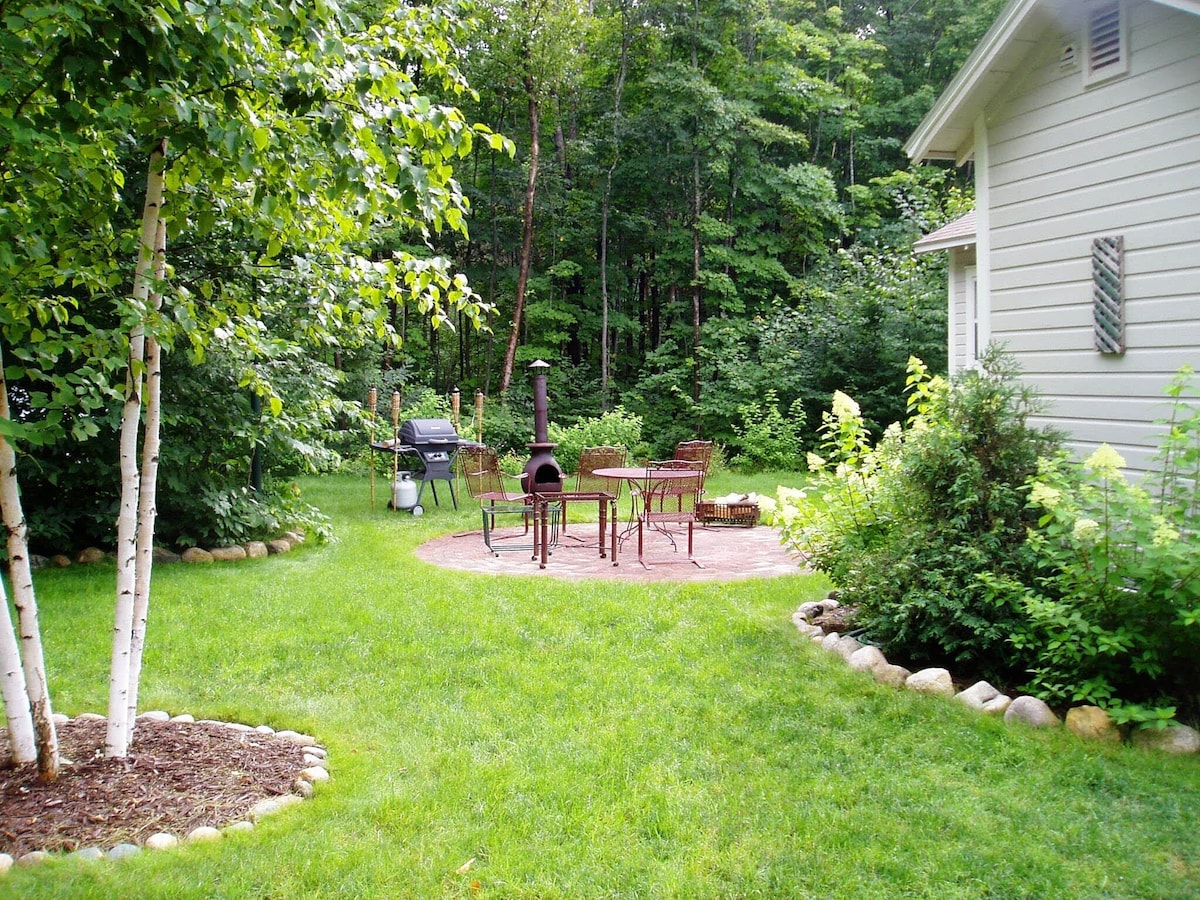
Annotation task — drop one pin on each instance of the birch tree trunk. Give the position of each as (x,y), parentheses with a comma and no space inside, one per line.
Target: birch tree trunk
(120,722)
(33,720)
(147,506)
(22,748)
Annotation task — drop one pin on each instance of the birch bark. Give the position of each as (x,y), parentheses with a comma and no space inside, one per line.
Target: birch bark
(35,712)
(120,722)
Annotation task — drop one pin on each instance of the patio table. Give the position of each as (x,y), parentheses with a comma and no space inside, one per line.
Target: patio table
(639,478)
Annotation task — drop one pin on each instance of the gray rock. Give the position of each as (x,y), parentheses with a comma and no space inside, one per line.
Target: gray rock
(197,555)
(123,850)
(37,561)
(6,863)
(818,635)
(847,646)
(978,695)
(809,611)
(279,545)
(256,549)
(88,854)
(163,555)
(867,659)
(829,642)
(303,788)
(228,554)
(830,603)
(892,675)
(238,726)
(998,705)
(60,560)
(1091,723)
(296,537)
(60,718)
(265,729)
(90,717)
(240,825)
(90,555)
(1032,712)
(296,737)
(315,774)
(156,715)
(931,681)
(186,718)
(319,752)
(32,858)
(1172,739)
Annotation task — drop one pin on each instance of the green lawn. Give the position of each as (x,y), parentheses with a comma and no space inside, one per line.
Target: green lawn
(594,740)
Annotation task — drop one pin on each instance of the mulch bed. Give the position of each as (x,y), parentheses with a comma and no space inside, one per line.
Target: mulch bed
(178,776)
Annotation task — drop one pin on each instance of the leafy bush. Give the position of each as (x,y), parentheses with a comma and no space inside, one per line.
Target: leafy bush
(906,526)
(225,516)
(1114,610)
(768,440)
(616,428)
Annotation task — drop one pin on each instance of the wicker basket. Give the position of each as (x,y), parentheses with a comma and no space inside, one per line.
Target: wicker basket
(743,515)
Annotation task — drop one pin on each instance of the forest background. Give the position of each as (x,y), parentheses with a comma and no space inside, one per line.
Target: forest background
(707,222)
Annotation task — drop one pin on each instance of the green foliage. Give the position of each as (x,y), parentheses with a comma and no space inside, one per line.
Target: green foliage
(617,428)
(1114,609)
(767,440)
(224,516)
(904,527)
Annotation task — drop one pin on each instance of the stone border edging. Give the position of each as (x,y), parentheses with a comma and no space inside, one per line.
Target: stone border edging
(285,543)
(316,771)
(1086,722)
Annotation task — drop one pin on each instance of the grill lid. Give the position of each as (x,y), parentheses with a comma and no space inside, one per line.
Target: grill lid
(428,431)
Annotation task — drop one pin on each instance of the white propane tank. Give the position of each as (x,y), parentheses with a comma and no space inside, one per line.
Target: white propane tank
(404,492)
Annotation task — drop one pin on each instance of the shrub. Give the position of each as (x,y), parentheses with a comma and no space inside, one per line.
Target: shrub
(906,526)
(1114,609)
(768,440)
(616,428)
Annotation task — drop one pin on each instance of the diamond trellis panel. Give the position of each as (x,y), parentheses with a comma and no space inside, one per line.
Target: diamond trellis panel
(1108,293)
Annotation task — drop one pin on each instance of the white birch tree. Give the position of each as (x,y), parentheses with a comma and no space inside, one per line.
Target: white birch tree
(301,123)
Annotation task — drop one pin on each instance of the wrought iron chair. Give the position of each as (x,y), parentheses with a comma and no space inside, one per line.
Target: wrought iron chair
(699,453)
(480,469)
(591,488)
(668,500)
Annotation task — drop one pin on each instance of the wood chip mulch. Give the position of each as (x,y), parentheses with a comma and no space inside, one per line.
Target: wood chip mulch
(178,776)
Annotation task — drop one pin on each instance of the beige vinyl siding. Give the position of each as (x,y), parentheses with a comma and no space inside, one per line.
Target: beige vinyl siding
(960,262)
(1069,164)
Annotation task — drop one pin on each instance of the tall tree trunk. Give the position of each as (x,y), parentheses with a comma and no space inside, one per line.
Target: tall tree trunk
(147,498)
(120,722)
(605,204)
(19,689)
(510,353)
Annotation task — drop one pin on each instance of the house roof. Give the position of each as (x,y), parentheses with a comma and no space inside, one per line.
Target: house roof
(959,233)
(947,130)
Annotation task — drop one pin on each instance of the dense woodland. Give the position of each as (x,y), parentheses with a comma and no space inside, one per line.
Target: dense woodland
(697,212)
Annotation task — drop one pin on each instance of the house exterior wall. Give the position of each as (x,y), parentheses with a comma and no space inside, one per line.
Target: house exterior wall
(962,270)
(1066,164)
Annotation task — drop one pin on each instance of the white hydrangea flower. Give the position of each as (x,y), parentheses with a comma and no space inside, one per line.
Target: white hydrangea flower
(1086,530)
(1164,532)
(844,406)
(1106,461)
(815,463)
(1044,495)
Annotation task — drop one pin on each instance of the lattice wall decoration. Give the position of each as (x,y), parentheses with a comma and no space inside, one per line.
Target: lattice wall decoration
(1108,293)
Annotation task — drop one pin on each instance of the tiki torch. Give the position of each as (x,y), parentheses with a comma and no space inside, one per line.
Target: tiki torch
(479,416)
(395,440)
(455,405)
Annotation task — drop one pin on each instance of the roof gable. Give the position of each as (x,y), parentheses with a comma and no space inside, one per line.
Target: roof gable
(959,233)
(946,132)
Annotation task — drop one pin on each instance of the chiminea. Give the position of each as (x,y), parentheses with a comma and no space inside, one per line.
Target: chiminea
(544,474)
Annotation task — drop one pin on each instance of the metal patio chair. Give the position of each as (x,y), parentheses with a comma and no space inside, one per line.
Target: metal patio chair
(698,453)
(669,500)
(486,482)
(591,488)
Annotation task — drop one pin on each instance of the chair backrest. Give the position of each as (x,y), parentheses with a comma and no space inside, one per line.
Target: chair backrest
(480,469)
(593,458)
(671,499)
(699,452)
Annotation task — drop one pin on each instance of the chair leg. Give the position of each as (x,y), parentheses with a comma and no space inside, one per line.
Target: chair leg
(691,558)
(640,559)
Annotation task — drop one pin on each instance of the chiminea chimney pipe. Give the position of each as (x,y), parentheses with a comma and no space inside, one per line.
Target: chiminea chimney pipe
(541,405)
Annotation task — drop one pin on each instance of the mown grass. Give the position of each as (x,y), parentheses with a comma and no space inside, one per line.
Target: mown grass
(595,740)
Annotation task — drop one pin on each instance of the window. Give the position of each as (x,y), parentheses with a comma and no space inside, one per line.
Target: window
(1108,293)
(1105,42)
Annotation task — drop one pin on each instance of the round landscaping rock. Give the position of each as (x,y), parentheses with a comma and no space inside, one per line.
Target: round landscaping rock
(1180,739)
(256,550)
(1093,724)
(228,554)
(1032,712)
(931,681)
(6,863)
(196,555)
(892,675)
(88,854)
(161,841)
(123,850)
(977,695)
(203,833)
(867,659)
(90,555)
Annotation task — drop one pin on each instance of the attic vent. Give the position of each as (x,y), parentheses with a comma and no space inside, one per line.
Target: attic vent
(1107,53)
(1108,293)
(1068,59)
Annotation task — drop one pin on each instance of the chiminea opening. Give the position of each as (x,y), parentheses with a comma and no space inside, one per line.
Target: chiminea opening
(543,473)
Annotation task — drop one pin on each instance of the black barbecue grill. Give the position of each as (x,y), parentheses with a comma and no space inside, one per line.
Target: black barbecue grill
(434,444)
